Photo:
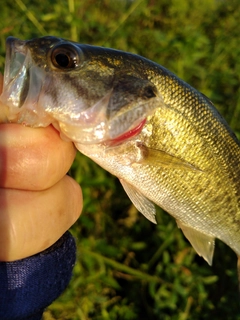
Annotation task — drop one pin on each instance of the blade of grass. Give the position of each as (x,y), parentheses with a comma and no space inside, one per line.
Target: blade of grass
(122,267)
(31,17)
(124,17)
(71,8)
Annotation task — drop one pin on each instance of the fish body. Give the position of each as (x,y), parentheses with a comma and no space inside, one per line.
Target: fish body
(163,139)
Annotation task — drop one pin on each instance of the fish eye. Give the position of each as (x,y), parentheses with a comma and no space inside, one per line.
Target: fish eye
(65,56)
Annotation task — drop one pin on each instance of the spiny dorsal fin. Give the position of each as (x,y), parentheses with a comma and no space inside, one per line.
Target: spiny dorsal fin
(144,205)
(202,243)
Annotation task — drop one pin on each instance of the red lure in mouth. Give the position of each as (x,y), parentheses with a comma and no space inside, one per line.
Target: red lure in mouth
(127,135)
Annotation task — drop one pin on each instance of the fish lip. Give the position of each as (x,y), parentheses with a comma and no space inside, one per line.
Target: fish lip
(16,50)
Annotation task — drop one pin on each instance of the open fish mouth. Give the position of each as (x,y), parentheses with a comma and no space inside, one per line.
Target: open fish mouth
(16,79)
(22,83)
(16,73)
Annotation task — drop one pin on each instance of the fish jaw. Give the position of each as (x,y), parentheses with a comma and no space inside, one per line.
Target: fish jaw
(23,81)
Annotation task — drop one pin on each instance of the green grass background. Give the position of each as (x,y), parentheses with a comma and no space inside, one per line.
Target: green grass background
(128,268)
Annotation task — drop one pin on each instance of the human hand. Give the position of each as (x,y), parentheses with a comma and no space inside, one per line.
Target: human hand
(38,202)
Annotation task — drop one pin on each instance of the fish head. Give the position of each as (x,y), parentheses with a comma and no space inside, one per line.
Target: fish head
(91,94)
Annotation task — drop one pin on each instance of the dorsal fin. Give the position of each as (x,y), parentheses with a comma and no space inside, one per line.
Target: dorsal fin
(143,204)
(202,243)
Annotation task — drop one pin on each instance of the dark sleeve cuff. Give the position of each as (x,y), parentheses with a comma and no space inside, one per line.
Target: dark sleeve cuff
(29,285)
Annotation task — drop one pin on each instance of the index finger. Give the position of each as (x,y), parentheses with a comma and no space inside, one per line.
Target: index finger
(33,158)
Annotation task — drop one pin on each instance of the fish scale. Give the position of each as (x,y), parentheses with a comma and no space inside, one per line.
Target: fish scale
(162,138)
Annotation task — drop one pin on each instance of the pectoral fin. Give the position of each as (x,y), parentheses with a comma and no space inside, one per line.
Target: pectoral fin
(157,157)
(202,243)
(144,205)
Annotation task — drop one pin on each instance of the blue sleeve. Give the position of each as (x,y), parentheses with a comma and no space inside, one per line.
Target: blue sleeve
(29,285)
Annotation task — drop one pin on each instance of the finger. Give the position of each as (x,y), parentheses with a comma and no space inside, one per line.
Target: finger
(31,221)
(33,158)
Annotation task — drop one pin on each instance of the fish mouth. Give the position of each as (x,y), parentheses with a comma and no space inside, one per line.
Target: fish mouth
(22,82)
(16,78)
(15,57)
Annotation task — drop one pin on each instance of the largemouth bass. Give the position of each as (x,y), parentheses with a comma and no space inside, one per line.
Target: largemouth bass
(163,139)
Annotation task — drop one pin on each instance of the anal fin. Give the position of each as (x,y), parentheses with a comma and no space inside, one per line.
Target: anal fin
(143,204)
(202,243)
